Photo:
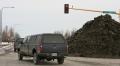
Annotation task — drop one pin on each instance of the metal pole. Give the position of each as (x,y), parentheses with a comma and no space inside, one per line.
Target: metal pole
(107,12)
(86,10)
(0,26)
(110,12)
(1,10)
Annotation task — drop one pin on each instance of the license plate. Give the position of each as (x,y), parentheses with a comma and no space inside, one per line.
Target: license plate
(54,54)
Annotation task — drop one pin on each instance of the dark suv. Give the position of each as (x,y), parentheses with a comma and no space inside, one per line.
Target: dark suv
(17,43)
(44,46)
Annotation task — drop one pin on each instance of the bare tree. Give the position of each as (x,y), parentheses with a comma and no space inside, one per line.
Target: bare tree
(5,34)
(11,34)
(67,34)
(59,32)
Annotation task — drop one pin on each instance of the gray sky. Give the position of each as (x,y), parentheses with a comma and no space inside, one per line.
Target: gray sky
(46,16)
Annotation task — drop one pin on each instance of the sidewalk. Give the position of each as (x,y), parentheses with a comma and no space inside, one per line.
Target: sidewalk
(6,47)
(2,51)
(94,60)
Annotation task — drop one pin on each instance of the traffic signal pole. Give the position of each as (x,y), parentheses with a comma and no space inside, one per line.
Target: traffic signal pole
(85,10)
(66,10)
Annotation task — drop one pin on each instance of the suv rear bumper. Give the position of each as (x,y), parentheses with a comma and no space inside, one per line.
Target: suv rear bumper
(49,55)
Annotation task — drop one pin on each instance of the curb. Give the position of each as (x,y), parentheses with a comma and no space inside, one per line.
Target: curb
(94,60)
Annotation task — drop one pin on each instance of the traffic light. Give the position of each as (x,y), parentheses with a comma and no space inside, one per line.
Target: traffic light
(66,8)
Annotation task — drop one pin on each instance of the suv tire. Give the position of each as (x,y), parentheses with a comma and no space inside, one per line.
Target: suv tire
(20,56)
(35,58)
(60,60)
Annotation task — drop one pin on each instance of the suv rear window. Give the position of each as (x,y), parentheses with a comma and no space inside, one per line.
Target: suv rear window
(53,39)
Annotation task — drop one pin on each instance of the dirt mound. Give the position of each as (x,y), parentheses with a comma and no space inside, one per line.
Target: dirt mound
(97,38)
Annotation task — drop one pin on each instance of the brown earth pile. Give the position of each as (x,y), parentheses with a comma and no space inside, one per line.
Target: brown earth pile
(97,38)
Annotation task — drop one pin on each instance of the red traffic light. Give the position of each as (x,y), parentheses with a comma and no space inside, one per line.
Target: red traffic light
(66,8)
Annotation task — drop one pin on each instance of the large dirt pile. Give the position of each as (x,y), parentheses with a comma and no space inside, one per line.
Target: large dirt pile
(97,38)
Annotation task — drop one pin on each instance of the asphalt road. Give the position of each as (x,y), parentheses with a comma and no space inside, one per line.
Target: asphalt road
(12,60)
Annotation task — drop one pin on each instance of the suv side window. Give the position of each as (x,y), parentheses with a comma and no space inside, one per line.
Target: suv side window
(31,39)
(34,39)
(39,39)
(26,39)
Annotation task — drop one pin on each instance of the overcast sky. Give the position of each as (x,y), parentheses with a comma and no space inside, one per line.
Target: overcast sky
(47,16)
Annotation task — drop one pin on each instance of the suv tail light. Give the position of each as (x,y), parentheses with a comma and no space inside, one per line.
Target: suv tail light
(40,48)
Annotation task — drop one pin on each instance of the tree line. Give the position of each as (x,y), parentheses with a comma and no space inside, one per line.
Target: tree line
(9,35)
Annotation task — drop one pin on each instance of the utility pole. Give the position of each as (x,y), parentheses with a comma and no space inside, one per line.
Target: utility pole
(0,27)
(1,11)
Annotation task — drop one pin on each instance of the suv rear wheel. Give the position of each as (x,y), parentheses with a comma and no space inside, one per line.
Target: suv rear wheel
(60,60)
(20,56)
(35,58)
(49,59)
